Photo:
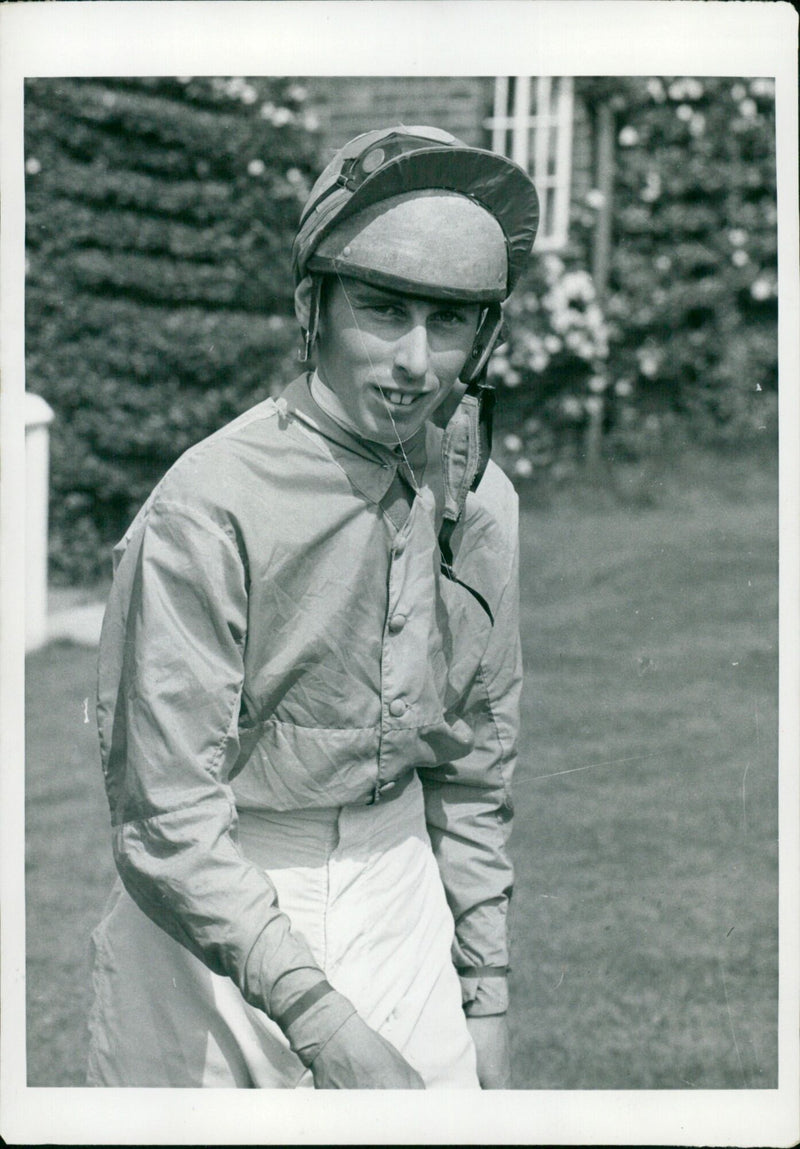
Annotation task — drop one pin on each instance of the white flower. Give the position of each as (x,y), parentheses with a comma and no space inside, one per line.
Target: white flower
(663,263)
(593,405)
(655,90)
(763,87)
(248,94)
(761,289)
(595,198)
(267,111)
(623,388)
(737,236)
(512,443)
(33,166)
(552,344)
(697,124)
(677,90)
(185,79)
(597,384)
(256,167)
(553,266)
(684,112)
(523,468)
(281,116)
(295,176)
(748,108)
(649,362)
(577,285)
(628,137)
(571,407)
(512,378)
(694,89)
(652,189)
(738,92)
(311,121)
(740,258)
(296,93)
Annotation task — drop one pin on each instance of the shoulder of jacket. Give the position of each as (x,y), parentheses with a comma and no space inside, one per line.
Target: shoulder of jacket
(495,504)
(218,450)
(496,491)
(196,480)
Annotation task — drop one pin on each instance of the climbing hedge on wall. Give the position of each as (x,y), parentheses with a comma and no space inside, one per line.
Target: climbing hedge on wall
(160,214)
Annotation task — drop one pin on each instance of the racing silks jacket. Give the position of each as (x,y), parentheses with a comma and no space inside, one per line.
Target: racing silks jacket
(279,635)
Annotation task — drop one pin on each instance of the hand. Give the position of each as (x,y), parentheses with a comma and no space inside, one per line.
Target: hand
(357,1057)
(490,1035)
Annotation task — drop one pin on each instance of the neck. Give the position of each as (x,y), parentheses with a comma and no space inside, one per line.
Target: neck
(329,402)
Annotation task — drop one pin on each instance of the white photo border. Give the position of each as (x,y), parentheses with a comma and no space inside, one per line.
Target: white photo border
(361,38)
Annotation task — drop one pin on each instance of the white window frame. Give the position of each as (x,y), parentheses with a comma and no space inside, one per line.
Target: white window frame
(522,132)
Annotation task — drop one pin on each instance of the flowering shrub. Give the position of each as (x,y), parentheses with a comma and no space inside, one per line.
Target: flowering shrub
(551,372)
(693,291)
(686,337)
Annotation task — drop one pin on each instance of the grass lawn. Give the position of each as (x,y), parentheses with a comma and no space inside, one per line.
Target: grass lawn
(645,917)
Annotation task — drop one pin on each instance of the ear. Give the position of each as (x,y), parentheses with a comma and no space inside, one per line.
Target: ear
(302,302)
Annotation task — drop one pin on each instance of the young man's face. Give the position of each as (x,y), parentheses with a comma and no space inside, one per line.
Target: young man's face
(391,358)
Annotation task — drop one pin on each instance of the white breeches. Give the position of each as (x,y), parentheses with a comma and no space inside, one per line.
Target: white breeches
(361,884)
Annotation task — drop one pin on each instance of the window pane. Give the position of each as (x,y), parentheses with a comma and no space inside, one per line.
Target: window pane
(532,123)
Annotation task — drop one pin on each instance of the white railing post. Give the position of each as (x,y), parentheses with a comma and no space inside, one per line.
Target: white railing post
(38,416)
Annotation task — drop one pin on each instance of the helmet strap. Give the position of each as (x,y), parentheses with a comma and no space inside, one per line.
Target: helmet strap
(310,333)
(486,337)
(467,440)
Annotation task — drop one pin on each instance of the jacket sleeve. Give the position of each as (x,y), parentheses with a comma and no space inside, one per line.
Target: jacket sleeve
(469,812)
(170,681)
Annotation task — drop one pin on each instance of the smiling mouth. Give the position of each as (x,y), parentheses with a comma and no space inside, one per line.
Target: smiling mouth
(398,398)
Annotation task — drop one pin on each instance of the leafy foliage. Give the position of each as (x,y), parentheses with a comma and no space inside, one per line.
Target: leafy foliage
(689,322)
(160,214)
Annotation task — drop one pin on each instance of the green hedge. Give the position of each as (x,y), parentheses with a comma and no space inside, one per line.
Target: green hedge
(160,214)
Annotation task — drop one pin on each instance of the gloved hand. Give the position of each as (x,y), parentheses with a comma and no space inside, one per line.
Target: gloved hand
(357,1057)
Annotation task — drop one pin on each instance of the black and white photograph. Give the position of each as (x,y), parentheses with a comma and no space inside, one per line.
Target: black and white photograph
(399,446)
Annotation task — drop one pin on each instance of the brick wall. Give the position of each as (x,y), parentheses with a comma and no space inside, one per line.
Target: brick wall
(347,105)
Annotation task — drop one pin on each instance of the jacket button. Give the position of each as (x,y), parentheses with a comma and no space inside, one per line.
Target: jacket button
(396,623)
(397,707)
(399,547)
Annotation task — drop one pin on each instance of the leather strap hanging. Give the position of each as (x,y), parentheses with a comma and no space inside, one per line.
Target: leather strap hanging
(467,442)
